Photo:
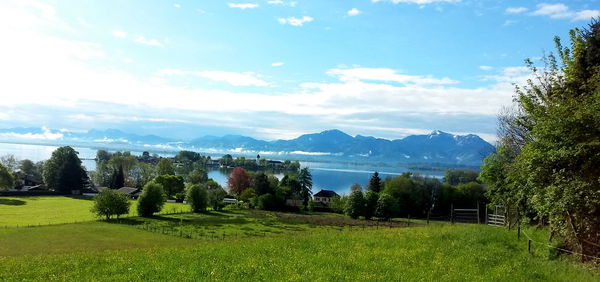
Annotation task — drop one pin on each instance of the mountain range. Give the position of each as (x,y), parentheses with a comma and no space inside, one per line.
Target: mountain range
(439,148)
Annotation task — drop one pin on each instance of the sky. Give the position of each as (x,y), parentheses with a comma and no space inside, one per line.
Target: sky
(272,69)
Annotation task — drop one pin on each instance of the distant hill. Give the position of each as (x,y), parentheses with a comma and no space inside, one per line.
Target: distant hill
(436,148)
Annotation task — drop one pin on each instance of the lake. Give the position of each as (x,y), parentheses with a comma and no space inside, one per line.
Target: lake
(326,175)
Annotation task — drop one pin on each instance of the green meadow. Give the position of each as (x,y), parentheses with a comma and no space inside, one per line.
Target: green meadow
(44,210)
(251,245)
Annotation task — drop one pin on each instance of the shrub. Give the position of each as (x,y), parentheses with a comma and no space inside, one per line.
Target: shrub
(355,205)
(338,204)
(386,206)
(266,202)
(311,206)
(110,203)
(197,197)
(151,200)
(371,199)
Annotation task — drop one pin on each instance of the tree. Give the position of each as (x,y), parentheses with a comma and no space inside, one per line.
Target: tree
(375,183)
(110,203)
(305,179)
(338,204)
(7,180)
(371,199)
(197,197)
(102,156)
(261,184)
(554,172)
(355,205)
(197,176)
(238,180)
(215,198)
(386,207)
(165,167)
(226,160)
(117,179)
(266,202)
(63,171)
(27,167)
(151,200)
(172,184)
(10,162)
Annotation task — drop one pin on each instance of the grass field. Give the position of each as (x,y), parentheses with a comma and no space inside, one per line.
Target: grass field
(44,210)
(247,245)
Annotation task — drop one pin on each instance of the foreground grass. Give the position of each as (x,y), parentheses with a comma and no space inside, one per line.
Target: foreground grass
(44,210)
(308,253)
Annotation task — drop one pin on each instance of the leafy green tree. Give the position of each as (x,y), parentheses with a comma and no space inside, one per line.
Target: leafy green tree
(172,184)
(165,167)
(261,184)
(305,179)
(102,156)
(338,204)
(375,183)
(197,176)
(371,199)
(197,197)
(7,180)
(151,200)
(555,170)
(142,174)
(110,203)
(10,162)
(355,205)
(27,167)
(387,207)
(226,160)
(117,179)
(63,171)
(247,195)
(266,202)
(215,198)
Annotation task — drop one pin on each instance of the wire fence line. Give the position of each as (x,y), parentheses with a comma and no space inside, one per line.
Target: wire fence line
(557,248)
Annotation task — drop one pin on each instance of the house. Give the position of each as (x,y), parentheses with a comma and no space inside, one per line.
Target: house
(323,198)
(275,164)
(130,191)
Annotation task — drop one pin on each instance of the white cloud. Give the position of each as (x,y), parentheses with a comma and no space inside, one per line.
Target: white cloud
(45,135)
(419,2)
(515,10)
(148,41)
(485,68)
(242,6)
(562,11)
(232,78)
(119,33)
(353,12)
(283,3)
(176,5)
(387,75)
(277,64)
(295,21)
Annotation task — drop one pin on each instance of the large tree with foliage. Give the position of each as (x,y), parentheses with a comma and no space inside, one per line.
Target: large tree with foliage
(197,197)
(375,183)
(305,179)
(7,180)
(63,171)
(109,203)
(355,206)
(172,184)
(554,172)
(151,200)
(238,180)
(165,167)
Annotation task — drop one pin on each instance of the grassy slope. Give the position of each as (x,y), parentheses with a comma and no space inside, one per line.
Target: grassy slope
(437,252)
(23,211)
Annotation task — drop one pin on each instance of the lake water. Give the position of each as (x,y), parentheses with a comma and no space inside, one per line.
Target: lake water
(331,176)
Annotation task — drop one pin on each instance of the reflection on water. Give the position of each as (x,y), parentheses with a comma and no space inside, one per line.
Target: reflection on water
(331,176)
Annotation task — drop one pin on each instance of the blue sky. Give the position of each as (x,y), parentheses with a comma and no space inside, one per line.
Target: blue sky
(272,69)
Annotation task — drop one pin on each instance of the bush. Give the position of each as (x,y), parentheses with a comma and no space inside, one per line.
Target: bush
(355,205)
(266,202)
(311,206)
(110,203)
(338,204)
(371,199)
(386,206)
(151,200)
(197,197)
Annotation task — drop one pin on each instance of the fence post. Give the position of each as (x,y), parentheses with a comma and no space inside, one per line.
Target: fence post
(529,245)
(451,213)
(478,217)
(428,213)
(486,215)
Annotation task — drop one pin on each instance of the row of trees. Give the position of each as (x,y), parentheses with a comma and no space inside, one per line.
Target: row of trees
(412,195)
(548,153)
(268,192)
